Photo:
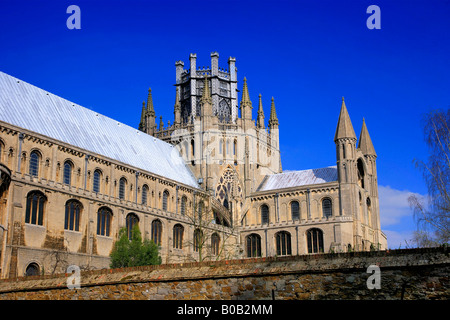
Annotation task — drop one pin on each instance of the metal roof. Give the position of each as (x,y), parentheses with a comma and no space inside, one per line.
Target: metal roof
(289,179)
(34,109)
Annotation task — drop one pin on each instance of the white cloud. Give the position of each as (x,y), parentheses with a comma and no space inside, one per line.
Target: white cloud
(396,216)
(394,205)
(399,239)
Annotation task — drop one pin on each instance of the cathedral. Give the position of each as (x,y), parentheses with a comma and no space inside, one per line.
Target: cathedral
(209,185)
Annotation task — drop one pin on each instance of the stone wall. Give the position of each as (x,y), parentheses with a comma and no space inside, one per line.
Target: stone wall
(404,274)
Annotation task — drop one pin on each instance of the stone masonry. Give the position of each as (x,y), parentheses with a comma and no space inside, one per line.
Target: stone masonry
(404,274)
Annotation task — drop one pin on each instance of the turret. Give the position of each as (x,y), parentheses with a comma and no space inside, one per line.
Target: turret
(246,104)
(273,120)
(345,140)
(260,118)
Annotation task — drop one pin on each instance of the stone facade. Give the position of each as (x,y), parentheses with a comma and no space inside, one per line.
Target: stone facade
(65,204)
(404,275)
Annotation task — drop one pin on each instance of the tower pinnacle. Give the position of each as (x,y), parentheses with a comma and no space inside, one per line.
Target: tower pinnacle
(273,120)
(344,127)
(260,119)
(365,143)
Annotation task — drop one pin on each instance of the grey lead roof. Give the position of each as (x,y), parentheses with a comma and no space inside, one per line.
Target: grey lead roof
(289,179)
(34,109)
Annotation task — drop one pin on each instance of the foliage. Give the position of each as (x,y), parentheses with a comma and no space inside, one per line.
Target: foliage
(134,252)
(433,220)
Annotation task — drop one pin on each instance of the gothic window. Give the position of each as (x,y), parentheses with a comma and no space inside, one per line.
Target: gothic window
(315,240)
(67,174)
(215,242)
(34,212)
(122,187)
(327,208)
(200,210)
(360,167)
(165,200)
(185,111)
(144,194)
(96,182)
(295,210)
(178,232)
(369,211)
(34,163)
(104,217)
(198,240)
(227,186)
(224,112)
(32,270)
(264,214)
(183,205)
(156,231)
(131,221)
(253,244)
(283,243)
(72,215)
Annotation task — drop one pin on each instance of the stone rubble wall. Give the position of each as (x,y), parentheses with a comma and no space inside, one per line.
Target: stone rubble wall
(404,274)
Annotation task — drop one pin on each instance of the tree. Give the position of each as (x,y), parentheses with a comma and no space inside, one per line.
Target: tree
(433,219)
(134,252)
(205,224)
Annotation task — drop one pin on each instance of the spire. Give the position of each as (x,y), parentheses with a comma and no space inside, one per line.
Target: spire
(142,123)
(150,108)
(177,108)
(161,123)
(260,119)
(365,143)
(206,97)
(273,120)
(245,95)
(344,127)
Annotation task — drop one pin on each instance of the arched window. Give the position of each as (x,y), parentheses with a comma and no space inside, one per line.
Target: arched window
(295,210)
(253,244)
(34,163)
(122,188)
(283,243)
(198,240)
(67,174)
(200,210)
(264,214)
(104,217)
(369,211)
(144,194)
(32,270)
(156,231)
(34,212)
(360,167)
(96,183)
(131,221)
(72,216)
(315,240)
(165,200)
(178,232)
(183,205)
(327,208)
(215,244)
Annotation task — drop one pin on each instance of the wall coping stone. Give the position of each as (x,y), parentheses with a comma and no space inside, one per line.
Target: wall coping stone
(266,266)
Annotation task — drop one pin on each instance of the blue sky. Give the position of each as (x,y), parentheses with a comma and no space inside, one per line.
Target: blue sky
(307,54)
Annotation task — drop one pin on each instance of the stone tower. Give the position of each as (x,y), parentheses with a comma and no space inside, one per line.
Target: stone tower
(357,178)
(227,152)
